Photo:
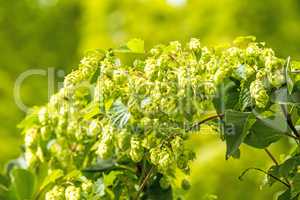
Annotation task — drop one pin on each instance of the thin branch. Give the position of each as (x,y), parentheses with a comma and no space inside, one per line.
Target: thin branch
(274,177)
(204,121)
(144,182)
(174,59)
(222,115)
(271,156)
(275,162)
(292,136)
(289,121)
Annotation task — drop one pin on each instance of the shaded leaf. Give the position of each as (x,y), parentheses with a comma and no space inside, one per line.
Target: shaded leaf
(23,183)
(237,125)
(92,110)
(102,165)
(227,96)
(273,171)
(110,178)
(282,96)
(286,195)
(266,131)
(51,178)
(295,190)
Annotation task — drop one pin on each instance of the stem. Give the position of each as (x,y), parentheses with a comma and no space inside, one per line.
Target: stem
(292,136)
(289,121)
(271,156)
(276,163)
(297,137)
(174,59)
(143,171)
(274,177)
(144,182)
(204,121)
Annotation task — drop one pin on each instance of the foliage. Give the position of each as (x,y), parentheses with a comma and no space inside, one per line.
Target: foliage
(117,128)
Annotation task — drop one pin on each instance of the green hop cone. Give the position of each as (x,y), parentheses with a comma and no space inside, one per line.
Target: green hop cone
(154,152)
(259,94)
(106,147)
(87,186)
(165,161)
(43,115)
(94,128)
(220,75)
(136,149)
(31,138)
(105,151)
(164,183)
(182,161)
(276,78)
(31,158)
(40,154)
(72,193)
(45,133)
(194,44)
(54,147)
(123,140)
(185,184)
(56,193)
(177,145)
(150,141)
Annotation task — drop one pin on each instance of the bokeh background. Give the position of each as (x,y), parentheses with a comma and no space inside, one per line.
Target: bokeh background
(42,34)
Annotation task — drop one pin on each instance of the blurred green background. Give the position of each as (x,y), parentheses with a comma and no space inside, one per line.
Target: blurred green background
(41,34)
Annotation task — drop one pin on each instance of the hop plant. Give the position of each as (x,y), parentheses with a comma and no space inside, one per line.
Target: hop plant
(120,114)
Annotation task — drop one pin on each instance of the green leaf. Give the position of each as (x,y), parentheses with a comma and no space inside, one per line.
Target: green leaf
(4,192)
(92,110)
(282,96)
(286,195)
(274,171)
(23,183)
(284,170)
(110,178)
(289,166)
(227,96)
(245,98)
(293,76)
(119,114)
(73,175)
(30,120)
(101,166)
(100,187)
(266,131)
(243,41)
(51,178)
(295,190)
(4,180)
(133,50)
(237,125)
(95,76)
